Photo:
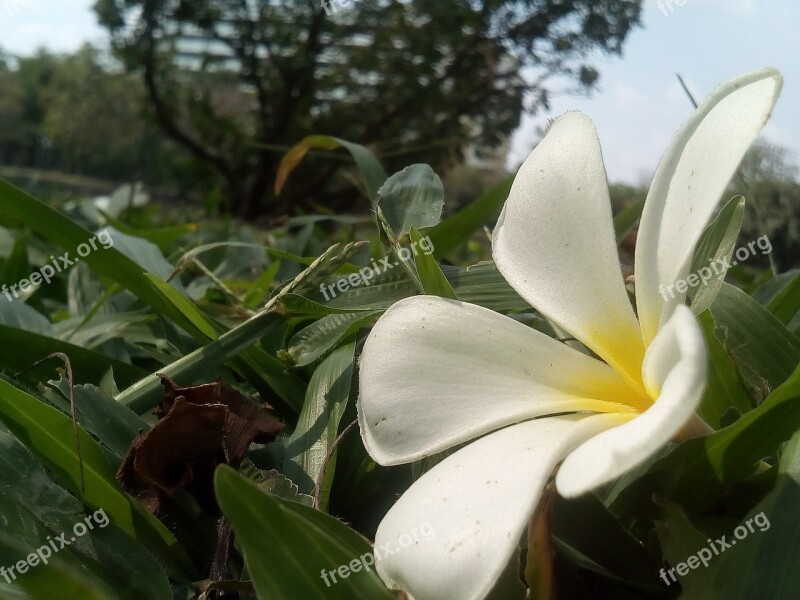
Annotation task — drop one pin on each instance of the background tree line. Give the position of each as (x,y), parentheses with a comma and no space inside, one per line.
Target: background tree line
(207,95)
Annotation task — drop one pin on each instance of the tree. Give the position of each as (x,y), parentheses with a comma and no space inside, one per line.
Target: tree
(23,106)
(94,118)
(235,82)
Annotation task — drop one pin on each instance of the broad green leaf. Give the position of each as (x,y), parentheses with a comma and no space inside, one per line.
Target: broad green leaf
(287,546)
(714,250)
(369,166)
(483,284)
(412,197)
(680,540)
(163,237)
(19,315)
(479,284)
(765,351)
(584,529)
(769,290)
(51,436)
(40,508)
(786,303)
(763,563)
(698,471)
(724,390)
(318,425)
(56,580)
(318,338)
(455,230)
(15,267)
(430,273)
(143,253)
(60,230)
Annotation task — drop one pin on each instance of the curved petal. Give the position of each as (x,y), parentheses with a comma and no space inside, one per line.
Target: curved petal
(476,505)
(688,184)
(675,373)
(435,373)
(554,244)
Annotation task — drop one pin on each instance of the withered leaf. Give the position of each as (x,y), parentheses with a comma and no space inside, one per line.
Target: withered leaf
(199,428)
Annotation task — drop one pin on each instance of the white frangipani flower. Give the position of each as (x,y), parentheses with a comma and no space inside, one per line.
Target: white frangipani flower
(437,373)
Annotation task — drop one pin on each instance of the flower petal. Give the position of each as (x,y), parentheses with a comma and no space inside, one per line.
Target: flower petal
(688,184)
(435,373)
(674,372)
(476,505)
(554,244)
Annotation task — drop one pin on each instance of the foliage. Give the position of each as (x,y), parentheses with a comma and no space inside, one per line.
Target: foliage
(234,83)
(211,300)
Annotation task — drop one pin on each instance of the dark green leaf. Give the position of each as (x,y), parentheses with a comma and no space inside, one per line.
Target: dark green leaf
(287,546)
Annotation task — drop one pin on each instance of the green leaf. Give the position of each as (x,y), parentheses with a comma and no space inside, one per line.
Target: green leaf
(483,284)
(287,546)
(51,436)
(412,197)
(19,315)
(318,425)
(146,393)
(763,564)
(733,453)
(277,484)
(680,539)
(56,580)
(16,266)
(315,340)
(299,306)
(584,530)
(20,349)
(765,351)
(163,237)
(455,230)
(369,166)
(786,303)
(767,291)
(714,249)
(109,421)
(106,555)
(430,274)
(255,364)
(60,230)
(480,284)
(724,390)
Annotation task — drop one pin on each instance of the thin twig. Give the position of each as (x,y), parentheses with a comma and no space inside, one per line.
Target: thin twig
(321,476)
(68,367)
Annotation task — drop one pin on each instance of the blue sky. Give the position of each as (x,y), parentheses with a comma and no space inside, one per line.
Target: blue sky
(639,103)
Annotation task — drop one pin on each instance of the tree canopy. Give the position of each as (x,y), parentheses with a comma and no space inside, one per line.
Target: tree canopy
(237,82)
